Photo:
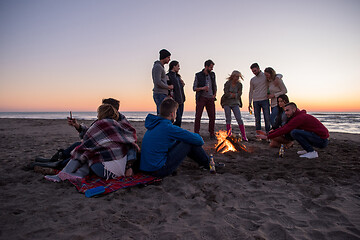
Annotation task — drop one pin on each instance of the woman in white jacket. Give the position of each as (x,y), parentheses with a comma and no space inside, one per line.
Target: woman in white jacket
(276,87)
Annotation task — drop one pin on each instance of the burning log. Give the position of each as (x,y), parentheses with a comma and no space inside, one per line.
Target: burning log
(221,147)
(228,143)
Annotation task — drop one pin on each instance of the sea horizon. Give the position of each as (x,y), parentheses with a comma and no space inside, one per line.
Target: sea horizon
(346,122)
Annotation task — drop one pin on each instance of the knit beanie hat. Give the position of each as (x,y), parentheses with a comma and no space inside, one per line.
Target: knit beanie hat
(164,53)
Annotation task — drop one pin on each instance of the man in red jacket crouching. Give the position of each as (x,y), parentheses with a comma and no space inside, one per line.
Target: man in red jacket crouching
(307,130)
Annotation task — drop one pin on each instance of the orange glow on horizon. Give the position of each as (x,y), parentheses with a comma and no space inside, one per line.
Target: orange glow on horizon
(146,103)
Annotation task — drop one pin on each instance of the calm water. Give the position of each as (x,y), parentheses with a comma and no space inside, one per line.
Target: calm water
(336,122)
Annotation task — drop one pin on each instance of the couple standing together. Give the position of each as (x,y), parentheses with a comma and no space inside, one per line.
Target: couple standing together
(205,87)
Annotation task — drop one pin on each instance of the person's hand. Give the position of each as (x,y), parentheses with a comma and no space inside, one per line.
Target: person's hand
(73,122)
(206,88)
(271,95)
(261,136)
(182,82)
(171,87)
(259,132)
(233,95)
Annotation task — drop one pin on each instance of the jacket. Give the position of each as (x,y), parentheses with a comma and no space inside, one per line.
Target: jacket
(159,78)
(227,99)
(174,79)
(160,136)
(201,81)
(303,121)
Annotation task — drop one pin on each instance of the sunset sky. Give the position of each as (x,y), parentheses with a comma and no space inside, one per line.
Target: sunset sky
(68,55)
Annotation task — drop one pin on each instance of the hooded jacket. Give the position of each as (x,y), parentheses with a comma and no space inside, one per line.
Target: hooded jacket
(303,121)
(160,136)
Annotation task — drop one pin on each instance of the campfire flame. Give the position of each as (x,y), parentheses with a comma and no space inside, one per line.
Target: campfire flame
(228,143)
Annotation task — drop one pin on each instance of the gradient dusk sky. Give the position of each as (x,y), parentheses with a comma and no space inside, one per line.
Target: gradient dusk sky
(68,55)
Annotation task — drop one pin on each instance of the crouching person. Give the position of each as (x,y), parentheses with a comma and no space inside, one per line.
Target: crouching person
(165,145)
(104,149)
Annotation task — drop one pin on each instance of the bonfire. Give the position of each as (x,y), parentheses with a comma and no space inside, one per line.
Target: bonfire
(227,143)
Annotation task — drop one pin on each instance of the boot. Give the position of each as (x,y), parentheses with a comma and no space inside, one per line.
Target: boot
(55,158)
(243,134)
(66,173)
(228,129)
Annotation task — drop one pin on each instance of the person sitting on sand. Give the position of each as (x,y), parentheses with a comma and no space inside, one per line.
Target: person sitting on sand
(307,130)
(280,120)
(165,145)
(62,156)
(103,149)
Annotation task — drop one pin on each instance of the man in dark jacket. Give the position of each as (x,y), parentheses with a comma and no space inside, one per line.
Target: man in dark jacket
(307,130)
(205,88)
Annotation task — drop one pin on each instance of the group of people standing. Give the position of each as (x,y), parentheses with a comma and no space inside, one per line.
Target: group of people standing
(267,93)
(263,86)
(109,147)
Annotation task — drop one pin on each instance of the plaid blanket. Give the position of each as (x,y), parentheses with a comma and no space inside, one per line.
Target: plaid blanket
(115,184)
(105,140)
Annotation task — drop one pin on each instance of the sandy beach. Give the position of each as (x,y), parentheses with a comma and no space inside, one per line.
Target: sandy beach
(256,195)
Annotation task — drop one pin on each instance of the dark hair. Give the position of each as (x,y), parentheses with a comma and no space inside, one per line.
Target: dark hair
(292,104)
(208,63)
(283,97)
(113,102)
(168,106)
(254,65)
(270,71)
(172,64)
(278,120)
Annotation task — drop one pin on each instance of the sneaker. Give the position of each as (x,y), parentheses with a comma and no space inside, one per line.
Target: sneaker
(302,152)
(52,178)
(312,154)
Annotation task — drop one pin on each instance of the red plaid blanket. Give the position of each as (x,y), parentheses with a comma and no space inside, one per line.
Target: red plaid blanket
(112,185)
(105,140)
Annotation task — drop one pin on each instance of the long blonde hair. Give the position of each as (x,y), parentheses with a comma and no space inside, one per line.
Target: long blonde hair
(234,74)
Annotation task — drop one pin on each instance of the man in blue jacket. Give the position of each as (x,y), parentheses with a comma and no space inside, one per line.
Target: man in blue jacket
(165,145)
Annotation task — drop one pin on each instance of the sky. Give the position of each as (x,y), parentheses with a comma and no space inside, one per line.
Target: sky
(68,55)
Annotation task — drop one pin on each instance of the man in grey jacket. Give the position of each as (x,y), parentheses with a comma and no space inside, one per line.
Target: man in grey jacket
(161,88)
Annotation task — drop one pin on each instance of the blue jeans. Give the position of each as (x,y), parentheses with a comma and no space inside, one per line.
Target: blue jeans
(273,115)
(308,139)
(265,106)
(237,114)
(178,153)
(158,98)
(179,114)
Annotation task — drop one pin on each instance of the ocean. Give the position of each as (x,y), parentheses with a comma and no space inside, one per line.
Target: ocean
(345,122)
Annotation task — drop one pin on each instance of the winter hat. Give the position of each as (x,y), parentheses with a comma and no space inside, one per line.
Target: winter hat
(164,53)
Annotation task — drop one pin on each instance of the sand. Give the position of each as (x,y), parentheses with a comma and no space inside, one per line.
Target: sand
(255,196)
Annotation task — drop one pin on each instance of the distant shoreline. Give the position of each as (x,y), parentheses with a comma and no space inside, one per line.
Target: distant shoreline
(346,122)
